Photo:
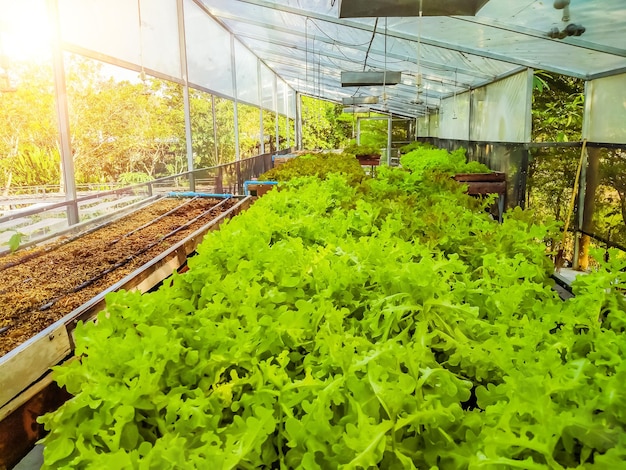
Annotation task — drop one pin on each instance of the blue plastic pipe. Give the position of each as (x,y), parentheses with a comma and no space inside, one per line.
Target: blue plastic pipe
(194,194)
(246,183)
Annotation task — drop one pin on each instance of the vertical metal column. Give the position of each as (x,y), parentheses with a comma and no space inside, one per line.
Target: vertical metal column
(186,103)
(276,113)
(528,123)
(217,162)
(261,133)
(236,100)
(389,136)
(287,121)
(63,120)
(298,121)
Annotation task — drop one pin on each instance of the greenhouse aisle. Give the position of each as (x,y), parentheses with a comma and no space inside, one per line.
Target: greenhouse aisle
(32,461)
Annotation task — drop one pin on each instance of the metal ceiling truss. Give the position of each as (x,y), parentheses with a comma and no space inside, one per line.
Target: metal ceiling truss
(283,30)
(428,41)
(436,73)
(426,77)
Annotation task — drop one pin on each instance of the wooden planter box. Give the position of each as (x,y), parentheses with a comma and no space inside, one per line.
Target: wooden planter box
(368,160)
(260,188)
(481,184)
(26,386)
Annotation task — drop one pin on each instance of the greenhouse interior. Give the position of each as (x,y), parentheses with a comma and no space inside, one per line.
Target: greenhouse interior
(279,234)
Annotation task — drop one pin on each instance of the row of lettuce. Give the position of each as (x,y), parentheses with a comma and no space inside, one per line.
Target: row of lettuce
(353,322)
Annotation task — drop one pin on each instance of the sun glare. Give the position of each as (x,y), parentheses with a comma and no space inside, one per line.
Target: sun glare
(24,30)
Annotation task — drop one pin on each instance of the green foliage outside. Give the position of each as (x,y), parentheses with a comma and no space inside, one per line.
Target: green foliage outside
(557,111)
(558,106)
(387,325)
(324,125)
(134,178)
(119,126)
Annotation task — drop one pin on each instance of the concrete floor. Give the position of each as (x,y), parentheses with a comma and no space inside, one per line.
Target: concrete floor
(33,461)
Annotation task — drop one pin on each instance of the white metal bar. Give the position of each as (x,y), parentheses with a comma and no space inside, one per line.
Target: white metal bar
(63,120)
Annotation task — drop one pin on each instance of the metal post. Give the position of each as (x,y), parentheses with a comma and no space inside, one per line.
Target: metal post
(236,101)
(63,120)
(298,121)
(528,123)
(186,102)
(389,135)
(261,133)
(276,113)
(217,162)
(287,121)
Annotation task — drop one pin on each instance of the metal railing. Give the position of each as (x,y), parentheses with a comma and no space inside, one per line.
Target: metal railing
(226,178)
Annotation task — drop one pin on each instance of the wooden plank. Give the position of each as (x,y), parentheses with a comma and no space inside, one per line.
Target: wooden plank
(19,429)
(259,189)
(495,176)
(372,162)
(20,368)
(476,188)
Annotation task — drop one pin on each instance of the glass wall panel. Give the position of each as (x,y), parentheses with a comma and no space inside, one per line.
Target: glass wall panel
(605,114)
(284,133)
(246,64)
(551,174)
(454,117)
(109,27)
(268,80)
(423,126)
(292,132)
(433,124)
(400,132)
(159,37)
(373,132)
(606,180)
(281,93)
(122,127)
(500,110)
(225,119)
(208,51)
(249,130)
(269,131)
(29,155)
(202,130)
(291,103)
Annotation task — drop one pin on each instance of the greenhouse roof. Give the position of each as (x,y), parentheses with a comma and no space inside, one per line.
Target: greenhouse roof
(309,45)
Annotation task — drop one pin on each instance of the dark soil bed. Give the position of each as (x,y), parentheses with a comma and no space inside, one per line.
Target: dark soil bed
(40,286)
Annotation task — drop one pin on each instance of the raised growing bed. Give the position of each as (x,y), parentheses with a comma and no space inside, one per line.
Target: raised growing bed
(479,184)
(49,289)
(368,160)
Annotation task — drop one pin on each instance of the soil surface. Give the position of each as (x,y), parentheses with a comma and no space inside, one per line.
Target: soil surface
(42,285)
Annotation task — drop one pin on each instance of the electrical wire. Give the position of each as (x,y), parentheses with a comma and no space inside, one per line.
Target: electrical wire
(369,46)
(335,41)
